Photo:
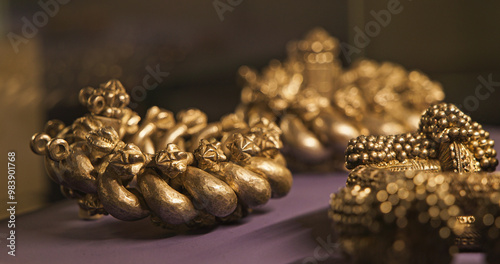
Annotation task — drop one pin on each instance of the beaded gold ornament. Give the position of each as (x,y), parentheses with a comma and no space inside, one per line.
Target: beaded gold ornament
(445,135)
(180,170)
(420,192)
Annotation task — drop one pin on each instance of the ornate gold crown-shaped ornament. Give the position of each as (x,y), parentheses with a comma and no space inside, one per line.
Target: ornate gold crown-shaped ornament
(426,191)
(180,170)
(320,106)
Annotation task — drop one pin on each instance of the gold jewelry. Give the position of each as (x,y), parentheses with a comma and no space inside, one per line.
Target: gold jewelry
(401,214)
(181,171)
(446,140)
(428,182)
(319,106)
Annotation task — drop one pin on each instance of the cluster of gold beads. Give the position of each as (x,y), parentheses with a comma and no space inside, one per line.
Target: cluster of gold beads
(445,133)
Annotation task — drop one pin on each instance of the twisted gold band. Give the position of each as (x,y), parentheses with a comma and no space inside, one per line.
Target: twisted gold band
(181,171)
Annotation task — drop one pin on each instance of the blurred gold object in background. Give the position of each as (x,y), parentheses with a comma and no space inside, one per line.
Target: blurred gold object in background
(320,106)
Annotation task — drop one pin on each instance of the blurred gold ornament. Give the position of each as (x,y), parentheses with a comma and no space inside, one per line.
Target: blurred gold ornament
(398,215)
(181,171)
(320,106)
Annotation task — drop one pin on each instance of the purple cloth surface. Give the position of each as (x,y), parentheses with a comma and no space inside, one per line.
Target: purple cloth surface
(282,231)
(293,229)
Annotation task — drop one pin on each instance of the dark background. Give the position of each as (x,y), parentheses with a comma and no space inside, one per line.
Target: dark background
(86,43)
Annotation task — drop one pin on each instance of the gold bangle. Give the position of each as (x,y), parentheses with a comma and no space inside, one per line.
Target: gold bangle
(181,171)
